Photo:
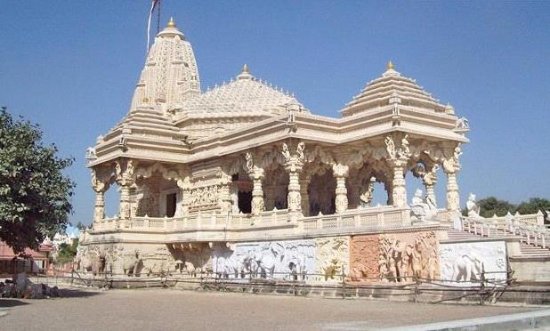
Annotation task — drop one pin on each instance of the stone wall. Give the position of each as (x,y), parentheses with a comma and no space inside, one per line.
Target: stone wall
(396,257)
(464,261)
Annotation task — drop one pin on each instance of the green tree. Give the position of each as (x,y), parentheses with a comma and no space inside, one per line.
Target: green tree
(66,253)
(491,205)
(34,192)
(80,226)
(533,206)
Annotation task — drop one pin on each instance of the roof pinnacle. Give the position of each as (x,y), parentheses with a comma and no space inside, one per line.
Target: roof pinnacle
(390,65)
(245,73)
(171,23)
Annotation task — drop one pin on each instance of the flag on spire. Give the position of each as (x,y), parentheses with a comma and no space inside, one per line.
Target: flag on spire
(154,5)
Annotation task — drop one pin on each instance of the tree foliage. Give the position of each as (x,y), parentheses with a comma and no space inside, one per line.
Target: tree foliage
(34,192)
(66,253)
(491,206)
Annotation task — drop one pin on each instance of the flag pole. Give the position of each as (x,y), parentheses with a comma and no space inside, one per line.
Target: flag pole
(154,4)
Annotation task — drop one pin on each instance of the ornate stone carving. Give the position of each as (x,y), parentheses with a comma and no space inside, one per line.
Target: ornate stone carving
(332,257)
(398,158)
(125,179)
(406,256)
(204,197)
(341,172)
(422,209)
(465,261)
(364,252)
(292,259)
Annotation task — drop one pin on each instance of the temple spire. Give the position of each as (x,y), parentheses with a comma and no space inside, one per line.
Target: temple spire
(390,65)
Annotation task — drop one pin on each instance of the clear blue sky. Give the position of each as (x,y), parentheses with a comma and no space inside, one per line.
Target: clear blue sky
(71,66)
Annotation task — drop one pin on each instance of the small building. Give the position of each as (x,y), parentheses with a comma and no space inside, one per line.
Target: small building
(30,261)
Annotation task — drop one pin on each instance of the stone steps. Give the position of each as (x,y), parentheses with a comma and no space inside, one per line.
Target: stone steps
(526,250)
(530,250)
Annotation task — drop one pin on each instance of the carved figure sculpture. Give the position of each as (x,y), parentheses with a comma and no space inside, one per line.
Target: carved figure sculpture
(420,209)
(472,207)
(467,267)
(359,273)
(131,263)
(266,263)
(332,270)
(366,197)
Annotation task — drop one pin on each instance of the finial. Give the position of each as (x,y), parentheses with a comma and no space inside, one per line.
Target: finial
(171,23)
(390,65)
(245,73)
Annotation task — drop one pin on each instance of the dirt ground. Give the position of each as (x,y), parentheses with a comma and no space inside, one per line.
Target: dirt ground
(167,309)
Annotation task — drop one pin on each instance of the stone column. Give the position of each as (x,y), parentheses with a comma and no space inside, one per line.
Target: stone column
(341,172)
(226,200)
(257,192)
(294,162)
(451,166)
(399,190)
(453,197)
(398,157)
(99,207)
(99,186)
(294,199)
(125,179)
(184,183)
(304,196)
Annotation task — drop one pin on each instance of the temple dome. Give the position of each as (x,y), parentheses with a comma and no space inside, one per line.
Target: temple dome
(393,88)
(246,94)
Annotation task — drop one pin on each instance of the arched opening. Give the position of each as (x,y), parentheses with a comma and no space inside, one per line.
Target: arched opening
(321,192)
(275,187)
(241,192)
(155,196)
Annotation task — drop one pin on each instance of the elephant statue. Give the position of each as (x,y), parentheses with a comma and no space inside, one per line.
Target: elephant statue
(132,263)
(467,267)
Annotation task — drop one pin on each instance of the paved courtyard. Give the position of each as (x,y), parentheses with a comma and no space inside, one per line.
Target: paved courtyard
(165,309)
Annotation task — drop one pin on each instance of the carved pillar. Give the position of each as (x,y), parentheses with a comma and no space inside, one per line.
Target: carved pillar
(100,187)
(226,200)
(293,165)
(398,158)
(294,198)
(257,192)
(399,191)
(125,179)
(451,166)
(99,207)
(430,179)
(184,183)
(304,195)
(341,172)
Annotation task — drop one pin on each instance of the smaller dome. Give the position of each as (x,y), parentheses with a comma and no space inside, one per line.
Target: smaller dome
(245,94)
(392,88)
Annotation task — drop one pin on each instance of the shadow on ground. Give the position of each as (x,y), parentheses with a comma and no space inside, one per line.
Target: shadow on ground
(6,303)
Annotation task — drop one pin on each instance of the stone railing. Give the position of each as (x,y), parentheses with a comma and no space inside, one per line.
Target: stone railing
(529,227)
(373,218)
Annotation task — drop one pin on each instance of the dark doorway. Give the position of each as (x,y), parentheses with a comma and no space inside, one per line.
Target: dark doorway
(245,202)
(171,201)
